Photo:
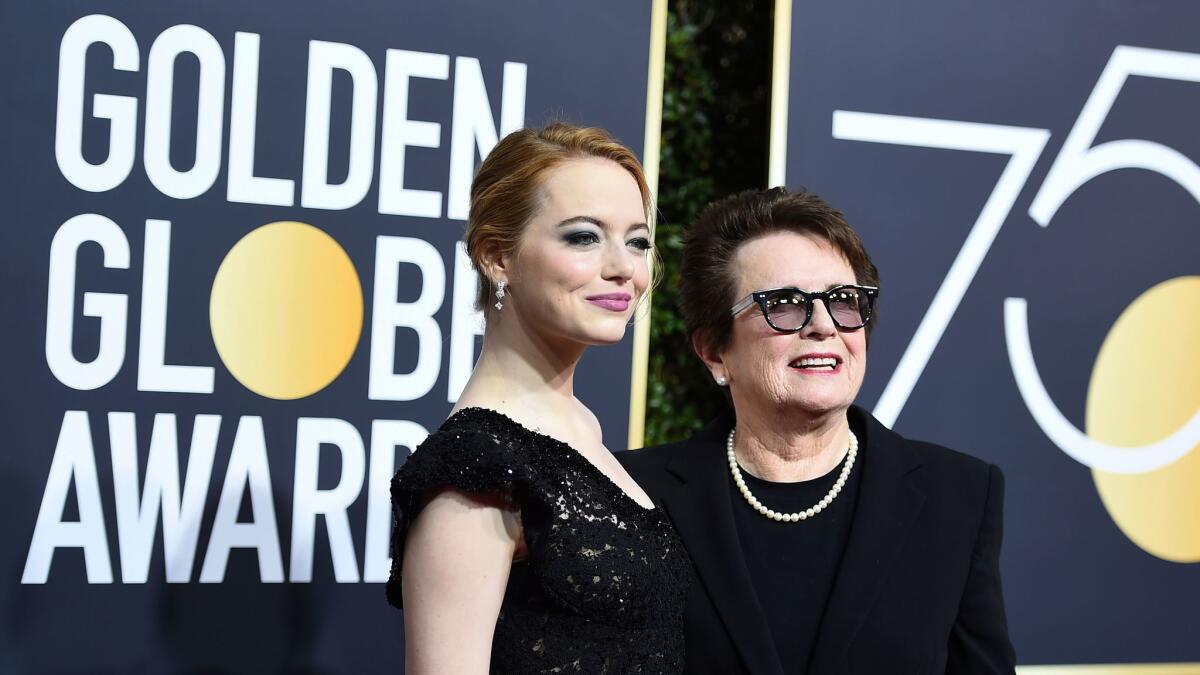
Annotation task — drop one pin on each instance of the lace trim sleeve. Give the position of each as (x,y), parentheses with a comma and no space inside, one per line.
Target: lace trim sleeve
(468,460)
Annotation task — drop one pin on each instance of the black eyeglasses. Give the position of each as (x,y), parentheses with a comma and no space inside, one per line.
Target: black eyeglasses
(788,310)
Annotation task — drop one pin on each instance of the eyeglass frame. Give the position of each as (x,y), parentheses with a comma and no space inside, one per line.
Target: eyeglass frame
(760,298)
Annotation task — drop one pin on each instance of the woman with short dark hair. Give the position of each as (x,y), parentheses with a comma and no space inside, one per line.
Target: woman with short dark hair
(823,541)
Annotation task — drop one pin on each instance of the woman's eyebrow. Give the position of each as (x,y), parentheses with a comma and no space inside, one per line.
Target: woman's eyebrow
(581,219)
(574,220)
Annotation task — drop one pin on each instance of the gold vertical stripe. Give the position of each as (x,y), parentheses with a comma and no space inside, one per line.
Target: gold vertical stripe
(653,134)
(781,61)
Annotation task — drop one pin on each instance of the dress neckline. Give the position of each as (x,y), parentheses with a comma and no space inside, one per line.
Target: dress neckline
(558,443)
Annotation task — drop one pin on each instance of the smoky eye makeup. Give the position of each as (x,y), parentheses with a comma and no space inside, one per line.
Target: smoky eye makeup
(640,243)
(585,236)
(580,238)
(639,238)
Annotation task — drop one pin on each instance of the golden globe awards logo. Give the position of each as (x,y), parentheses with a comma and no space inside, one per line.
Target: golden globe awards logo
(286,309)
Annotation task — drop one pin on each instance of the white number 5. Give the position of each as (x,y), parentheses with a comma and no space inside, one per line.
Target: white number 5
(1077,163)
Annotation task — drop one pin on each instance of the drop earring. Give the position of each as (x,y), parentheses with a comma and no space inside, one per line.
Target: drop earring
(499,295)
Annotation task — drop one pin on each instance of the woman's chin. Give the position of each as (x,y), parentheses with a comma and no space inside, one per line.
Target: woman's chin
(609,332)
(601,338)
(608,339)
(818,406)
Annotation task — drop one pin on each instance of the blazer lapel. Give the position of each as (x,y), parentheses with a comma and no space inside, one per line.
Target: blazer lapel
(702,512)
(888,505)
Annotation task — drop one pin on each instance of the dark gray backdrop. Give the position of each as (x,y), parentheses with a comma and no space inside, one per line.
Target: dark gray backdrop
(1078,590)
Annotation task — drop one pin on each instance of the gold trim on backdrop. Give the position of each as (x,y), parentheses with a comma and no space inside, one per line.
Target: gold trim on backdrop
(1122,669)
(641,324)
(781,62)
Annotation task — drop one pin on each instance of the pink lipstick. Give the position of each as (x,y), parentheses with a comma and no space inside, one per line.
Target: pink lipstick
(613,302)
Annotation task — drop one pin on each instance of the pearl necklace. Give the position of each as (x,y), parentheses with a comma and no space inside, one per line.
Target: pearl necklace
(851,453)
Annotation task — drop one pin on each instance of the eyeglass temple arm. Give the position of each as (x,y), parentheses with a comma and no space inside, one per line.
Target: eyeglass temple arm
(741,305)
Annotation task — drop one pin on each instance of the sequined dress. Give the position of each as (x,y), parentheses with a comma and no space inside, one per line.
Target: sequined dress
(603,587)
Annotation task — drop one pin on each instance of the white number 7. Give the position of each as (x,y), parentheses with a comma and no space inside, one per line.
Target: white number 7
(1024,146)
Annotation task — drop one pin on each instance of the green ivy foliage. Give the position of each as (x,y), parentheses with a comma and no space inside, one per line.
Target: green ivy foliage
(714,142)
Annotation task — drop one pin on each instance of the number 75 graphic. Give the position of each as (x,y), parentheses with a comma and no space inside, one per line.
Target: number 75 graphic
(1077,163)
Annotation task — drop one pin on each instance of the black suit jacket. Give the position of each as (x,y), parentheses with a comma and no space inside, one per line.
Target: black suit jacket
(918,588)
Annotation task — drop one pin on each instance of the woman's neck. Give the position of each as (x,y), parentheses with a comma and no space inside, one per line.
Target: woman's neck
(788,447)
(517,368)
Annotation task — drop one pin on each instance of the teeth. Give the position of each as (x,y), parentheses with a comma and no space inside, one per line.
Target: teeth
(815,363)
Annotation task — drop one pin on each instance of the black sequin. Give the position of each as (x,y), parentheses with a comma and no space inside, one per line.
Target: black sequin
(603,587)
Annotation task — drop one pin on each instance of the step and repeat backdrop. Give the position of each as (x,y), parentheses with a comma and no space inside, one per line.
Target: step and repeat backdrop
(1025,175)
(235,300)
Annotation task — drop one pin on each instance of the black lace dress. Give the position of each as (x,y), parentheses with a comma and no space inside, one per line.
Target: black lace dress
(603,587)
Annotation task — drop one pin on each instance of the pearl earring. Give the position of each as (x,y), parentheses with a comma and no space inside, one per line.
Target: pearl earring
(721,381)
(499,295)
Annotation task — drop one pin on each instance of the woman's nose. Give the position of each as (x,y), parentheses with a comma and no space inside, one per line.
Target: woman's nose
(618,264)
(820,324)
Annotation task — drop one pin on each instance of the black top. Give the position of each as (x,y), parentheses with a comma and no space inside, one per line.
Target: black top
(603,587)
(918,585)
(793,565)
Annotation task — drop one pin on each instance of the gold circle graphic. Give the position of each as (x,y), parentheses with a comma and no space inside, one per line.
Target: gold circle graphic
(286,310)
(1144,386)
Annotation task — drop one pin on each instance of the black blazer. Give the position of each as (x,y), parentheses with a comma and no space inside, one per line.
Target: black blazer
(918,588)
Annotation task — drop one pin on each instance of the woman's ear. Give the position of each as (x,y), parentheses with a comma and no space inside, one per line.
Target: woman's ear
(712,358)
(494,267)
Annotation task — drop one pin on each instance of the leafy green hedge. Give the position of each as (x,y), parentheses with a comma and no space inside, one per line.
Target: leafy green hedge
(714,142)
